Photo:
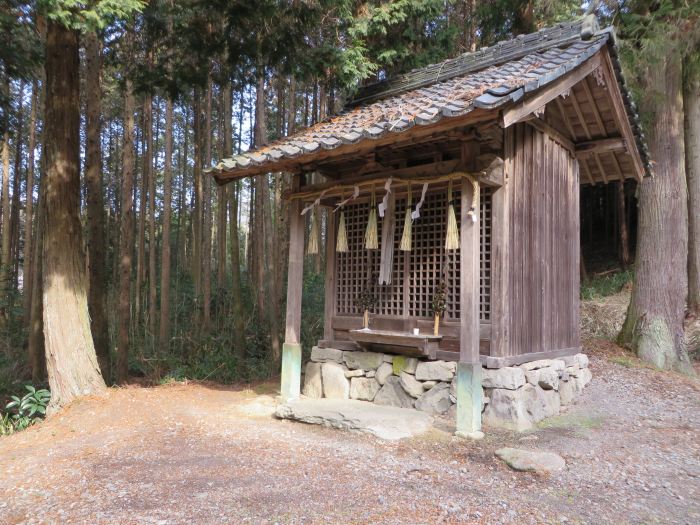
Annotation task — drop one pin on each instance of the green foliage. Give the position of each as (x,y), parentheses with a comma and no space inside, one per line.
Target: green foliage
(25,411)
(391,37)
(605,285)
(88,16)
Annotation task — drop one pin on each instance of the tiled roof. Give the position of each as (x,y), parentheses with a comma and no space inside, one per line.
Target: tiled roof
(486,79)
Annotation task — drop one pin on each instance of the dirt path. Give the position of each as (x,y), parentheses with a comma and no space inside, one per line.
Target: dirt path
(204,454)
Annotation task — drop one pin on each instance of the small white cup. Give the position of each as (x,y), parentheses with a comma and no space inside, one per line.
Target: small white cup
(416,331)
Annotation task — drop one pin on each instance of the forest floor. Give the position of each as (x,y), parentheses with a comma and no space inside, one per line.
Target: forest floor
(203,453)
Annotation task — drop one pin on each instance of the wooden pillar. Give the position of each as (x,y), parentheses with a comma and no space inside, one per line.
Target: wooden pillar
(291,350)
(469,392)
(329,285)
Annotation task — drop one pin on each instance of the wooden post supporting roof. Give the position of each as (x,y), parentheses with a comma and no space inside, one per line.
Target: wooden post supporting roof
(469,392)
(291,350)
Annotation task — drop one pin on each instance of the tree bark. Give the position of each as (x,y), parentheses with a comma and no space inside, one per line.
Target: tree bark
(258,232)
(152,242)
(164,335)
(27,277)
(35,342)
(143,211)
(654,323)
(624,248)
(236,296)
(14,214)
(691,101)
(222,191)
(197,208)
(70,354)
(5,253)
(126,239)
(207,218)
(95,205)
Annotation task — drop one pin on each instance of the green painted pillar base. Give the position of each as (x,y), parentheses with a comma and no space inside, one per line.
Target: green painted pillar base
(469,400)
(291,371)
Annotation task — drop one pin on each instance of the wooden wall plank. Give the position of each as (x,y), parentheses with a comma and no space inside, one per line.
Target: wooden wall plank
(543,247)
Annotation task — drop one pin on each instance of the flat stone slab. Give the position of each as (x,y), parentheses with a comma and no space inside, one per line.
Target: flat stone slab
(530,461)
(384,422)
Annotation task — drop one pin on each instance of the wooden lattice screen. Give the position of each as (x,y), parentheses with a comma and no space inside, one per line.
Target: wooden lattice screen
(416,274)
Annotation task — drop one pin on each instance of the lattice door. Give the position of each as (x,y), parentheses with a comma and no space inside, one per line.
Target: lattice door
(423,267)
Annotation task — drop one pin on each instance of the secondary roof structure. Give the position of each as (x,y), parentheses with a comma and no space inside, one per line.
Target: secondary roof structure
(510,81)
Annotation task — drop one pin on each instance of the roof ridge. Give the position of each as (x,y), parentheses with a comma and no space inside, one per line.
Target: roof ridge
(504,51)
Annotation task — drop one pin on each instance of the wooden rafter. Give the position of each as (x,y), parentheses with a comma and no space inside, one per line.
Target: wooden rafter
(584,164)
(621,114)
(521,110)
(565,116)
(594,107)
(600,167)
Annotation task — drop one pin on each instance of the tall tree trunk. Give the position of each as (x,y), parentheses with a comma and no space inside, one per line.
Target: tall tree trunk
(164,335)
(14,214)
(691,101)
(624,249)
(197,208)
(70,354)
(29,208)
(5,261)
(236,295)
(222,191)
(126,236)
(291,106)
(259,234)
(207,217)
(95,205)
(143,211)
(152,242)
(35,342)
(654,323)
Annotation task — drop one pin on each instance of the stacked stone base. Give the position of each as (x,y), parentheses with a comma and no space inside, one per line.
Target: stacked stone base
(514,397)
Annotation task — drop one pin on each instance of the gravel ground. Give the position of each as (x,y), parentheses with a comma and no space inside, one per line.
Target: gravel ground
(194,453)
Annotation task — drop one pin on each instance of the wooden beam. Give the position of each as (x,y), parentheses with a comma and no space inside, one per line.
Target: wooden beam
(416,172)
(600,146)
(491,170)
(621,118)
(470,247)
(544,95)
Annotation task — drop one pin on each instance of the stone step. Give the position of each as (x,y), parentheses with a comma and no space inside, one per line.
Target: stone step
(390,423)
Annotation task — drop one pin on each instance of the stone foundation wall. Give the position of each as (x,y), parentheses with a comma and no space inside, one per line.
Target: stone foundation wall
(514,397)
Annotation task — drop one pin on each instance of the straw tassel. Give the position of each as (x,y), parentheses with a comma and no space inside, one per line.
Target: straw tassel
(371,232)
(406,237)
(452,240)
(312,247)
(342,244)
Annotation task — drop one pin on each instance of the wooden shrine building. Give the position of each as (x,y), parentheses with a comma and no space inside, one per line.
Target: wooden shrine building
(505,135)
